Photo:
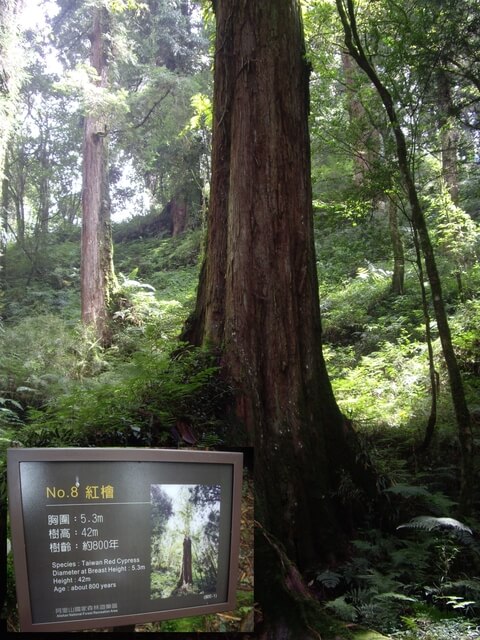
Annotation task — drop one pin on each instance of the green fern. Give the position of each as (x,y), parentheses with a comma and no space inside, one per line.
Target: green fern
(431,523)
(342,609)
(329,579)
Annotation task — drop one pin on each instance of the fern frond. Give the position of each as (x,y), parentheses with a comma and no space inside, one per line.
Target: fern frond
(343,609)
(408,490)
(430,523)
(329,579)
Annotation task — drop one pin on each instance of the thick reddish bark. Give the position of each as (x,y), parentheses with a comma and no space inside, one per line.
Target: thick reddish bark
(258,294)
(257,303)
(96,256)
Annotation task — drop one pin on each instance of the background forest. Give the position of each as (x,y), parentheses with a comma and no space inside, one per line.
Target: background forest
(77,373)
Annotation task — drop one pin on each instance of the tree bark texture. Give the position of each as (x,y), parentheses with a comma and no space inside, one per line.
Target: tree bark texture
(398,276)
(96,256)
(449,135)
(179,214)
(353,42)
(258,292)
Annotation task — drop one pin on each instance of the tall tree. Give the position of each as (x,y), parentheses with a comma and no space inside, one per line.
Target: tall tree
(11,76)
(258,292)
(11,65)
(97,274)
(354,44)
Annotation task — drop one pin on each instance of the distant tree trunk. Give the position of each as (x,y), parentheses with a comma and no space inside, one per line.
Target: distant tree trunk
(97,275)
(434,379)
(44,188)
(179,213)
(257,299)
(449,135)
(356,111)
(354,45)
(18,195)
(398,276)
(4,221)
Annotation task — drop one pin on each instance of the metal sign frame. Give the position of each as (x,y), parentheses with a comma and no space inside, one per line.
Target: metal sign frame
(179,464)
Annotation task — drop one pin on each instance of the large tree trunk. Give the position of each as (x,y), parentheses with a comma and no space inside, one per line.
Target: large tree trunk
(258,293)
(96,258)
(346,10)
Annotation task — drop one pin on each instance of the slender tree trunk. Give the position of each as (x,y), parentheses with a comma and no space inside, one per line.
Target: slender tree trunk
(4,221)
(354,45)
(434,378)
(44,190)
(96,257)
(398,276)
(20,213)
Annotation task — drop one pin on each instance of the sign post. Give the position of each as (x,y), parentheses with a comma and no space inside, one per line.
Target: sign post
(110,537)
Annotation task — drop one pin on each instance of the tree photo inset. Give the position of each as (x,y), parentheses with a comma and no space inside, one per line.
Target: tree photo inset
(185,536)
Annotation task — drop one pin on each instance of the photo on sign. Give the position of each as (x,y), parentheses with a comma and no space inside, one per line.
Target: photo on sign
(185,537)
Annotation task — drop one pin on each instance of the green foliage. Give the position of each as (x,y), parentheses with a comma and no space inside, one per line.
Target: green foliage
(202,113)
(39,358)
(453,231)
(466,339)
(390,579)
(103,103)
(139,405)
(388,384)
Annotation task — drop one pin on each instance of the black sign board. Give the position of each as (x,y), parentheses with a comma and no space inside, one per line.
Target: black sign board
(106,537)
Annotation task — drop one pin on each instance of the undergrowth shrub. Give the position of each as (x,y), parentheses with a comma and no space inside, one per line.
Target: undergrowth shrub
(347,310)
(39,356)
(391,578)
(157,399)
(388,384)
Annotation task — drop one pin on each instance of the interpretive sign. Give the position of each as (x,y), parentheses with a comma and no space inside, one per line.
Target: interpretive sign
(106,537)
